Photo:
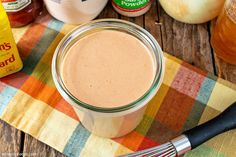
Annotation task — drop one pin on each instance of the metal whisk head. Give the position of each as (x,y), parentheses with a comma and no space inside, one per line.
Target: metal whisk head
(176,147)
(165,150)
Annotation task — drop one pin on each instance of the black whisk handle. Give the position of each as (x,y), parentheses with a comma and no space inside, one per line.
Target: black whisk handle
(223,122)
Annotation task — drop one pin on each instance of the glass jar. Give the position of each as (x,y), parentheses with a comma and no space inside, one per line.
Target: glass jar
(22,12)
(117,121)
(224,33)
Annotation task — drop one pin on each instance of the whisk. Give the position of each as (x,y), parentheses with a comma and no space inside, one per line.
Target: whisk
(192,138)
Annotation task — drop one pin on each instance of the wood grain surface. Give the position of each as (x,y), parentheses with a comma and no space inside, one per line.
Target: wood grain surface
(187,42)
(152,23)
(225,70)
(190,43)
(33,147)
(10,140)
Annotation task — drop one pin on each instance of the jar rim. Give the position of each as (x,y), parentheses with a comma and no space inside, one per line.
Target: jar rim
(104,24)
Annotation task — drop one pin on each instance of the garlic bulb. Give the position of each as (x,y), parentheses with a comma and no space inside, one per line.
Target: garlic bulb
(192,11)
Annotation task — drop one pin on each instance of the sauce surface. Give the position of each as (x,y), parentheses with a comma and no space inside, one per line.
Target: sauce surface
(108,69)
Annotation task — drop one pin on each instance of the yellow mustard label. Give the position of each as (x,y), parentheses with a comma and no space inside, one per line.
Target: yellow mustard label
(10,60)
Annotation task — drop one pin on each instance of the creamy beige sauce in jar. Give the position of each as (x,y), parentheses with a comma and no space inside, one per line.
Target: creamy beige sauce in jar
(108,69)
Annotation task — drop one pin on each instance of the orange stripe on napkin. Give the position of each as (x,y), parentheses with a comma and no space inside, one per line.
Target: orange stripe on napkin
(41,91)
(131,141)
(49,95)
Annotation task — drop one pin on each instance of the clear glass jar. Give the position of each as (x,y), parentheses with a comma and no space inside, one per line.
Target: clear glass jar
(109,122)
(22,12)
(224,33)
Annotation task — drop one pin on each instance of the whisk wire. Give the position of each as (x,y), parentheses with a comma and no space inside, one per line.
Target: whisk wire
(158,152)
(173,154)
(167,153)
(166,150)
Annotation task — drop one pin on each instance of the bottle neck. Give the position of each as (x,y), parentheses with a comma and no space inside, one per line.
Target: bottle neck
(230,9)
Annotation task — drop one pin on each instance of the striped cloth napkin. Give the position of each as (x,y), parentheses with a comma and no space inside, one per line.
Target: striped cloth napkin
(30,102)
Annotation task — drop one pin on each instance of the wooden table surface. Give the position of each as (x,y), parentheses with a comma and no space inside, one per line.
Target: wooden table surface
(190,43)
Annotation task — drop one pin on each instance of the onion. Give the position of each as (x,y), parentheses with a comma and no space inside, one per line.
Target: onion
(192,11)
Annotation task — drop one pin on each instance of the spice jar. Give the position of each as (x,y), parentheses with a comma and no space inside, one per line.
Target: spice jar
(131,8)
(224,34)
(22,12)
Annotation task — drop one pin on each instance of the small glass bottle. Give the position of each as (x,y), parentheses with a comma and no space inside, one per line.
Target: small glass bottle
(10,60)
(22,12)
(224,34)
